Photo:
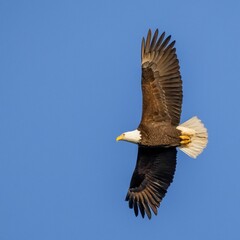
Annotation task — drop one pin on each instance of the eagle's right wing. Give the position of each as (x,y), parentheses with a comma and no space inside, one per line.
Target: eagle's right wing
(151,178)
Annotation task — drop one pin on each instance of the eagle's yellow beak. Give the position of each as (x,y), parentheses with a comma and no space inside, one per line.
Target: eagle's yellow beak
(120,137)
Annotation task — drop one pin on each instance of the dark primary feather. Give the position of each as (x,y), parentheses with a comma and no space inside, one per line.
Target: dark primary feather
(151,178)
(161,80)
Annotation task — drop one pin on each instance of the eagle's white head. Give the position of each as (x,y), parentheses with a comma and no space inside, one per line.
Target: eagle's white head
(132,136)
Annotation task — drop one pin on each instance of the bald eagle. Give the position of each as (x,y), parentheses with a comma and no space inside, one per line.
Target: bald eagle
(159,133)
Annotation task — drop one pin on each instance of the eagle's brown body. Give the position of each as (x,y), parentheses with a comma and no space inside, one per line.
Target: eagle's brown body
(159,134)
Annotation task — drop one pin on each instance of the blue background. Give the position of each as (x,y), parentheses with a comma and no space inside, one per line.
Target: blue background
(70,83)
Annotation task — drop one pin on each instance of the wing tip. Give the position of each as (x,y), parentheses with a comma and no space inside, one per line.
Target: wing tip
(155,43)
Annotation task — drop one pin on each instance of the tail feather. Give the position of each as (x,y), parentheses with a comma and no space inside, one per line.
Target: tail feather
(198,134)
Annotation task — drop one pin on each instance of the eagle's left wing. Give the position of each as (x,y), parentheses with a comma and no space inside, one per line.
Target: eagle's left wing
(151,178)
(161,81)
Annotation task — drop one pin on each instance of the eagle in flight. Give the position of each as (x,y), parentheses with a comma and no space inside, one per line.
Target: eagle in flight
(159,132)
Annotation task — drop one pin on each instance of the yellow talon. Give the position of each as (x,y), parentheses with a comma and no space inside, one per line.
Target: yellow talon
(185,142)
(185,139)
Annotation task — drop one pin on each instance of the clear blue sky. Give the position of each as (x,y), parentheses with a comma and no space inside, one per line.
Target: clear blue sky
(70,83)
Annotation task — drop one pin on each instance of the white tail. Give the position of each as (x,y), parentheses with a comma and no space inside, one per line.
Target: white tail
(195,129)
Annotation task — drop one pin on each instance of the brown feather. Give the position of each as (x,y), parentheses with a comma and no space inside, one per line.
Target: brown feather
(159,42)
(154,39)
(152,176)
(148,41)
(161,81)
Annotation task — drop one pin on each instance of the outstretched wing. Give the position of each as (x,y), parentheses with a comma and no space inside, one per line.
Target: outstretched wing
(151,178)
(161,80)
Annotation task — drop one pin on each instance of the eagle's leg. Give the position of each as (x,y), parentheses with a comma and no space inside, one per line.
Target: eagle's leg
(185,139)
